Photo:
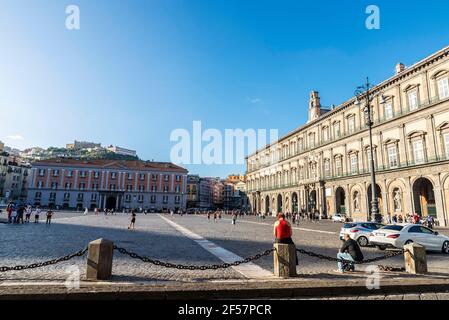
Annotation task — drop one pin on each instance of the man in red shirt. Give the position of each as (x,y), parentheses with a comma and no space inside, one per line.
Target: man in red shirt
(283,232)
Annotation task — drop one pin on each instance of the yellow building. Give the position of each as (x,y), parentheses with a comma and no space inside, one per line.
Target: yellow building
(324,164)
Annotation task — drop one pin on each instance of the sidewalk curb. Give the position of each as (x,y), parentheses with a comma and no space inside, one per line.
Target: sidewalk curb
(212,291)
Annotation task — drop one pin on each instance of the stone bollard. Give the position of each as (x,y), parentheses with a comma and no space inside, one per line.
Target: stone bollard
(284,260)
(415,258)
(99,260)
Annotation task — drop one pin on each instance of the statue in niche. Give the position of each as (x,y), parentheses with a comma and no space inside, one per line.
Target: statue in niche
(397,199)
(356,201)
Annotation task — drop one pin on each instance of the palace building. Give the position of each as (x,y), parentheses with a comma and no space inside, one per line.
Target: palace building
(111,184)
(324,164)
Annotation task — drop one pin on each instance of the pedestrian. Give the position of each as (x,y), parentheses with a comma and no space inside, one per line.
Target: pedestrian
(49,216)
(282,231)
(9,210)
(133,219)
(350,252)
(215,216)
(208,216)
(37,212)
(20,211)
(28,214)
(86,211)
(14,215)
(416,219)
(430,222)
(234,218)
(293,218)
(395,218)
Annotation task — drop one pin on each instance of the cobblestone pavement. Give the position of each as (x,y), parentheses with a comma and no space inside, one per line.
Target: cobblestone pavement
(404,297)
(155,238)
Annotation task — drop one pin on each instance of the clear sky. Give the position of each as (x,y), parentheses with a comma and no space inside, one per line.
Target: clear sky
(137,70)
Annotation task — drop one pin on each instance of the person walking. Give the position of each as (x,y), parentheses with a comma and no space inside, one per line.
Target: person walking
(430,222)
(208,216)
(234,218)
(49,216)
(37,213)
(133,220)
(395,219)
(349,251)
(20,211)
(86,211)
(28,214)
(215,216)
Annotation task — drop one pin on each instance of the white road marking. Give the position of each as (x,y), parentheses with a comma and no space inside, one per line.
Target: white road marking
(249,270)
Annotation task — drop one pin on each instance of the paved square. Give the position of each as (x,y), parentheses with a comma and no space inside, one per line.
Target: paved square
(165,238)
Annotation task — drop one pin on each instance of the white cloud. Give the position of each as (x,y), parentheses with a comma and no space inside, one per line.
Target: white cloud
(15,137)
(254,100)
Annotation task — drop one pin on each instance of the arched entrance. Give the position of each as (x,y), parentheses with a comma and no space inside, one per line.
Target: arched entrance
(340,201)
(279,203)
(312,201)
(294,203)
(111,202)
(379,198)
(267,204)
(424,198)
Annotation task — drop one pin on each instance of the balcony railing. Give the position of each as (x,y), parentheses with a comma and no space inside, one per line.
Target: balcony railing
(361,172)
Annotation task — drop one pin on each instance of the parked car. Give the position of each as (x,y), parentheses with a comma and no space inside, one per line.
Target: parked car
(360,231)
(339,218)
(396,236)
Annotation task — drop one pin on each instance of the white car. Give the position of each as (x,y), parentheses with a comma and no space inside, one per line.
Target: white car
(360,231)
(338,218)
(396,236)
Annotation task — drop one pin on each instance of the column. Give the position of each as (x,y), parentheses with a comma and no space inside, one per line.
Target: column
(431,143)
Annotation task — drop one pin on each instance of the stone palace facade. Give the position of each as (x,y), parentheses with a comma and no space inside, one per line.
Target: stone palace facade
(324,164)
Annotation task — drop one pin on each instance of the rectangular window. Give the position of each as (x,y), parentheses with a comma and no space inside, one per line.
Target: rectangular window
(113,175)
(93,197)
(388,110)
(142,176)
(82,186)
(69,174)
(327,168)
(41,172)
(312,140)
(165,199)
(165,188)
(351,125)
(392,157)
(112,187)
(153,199)
(166,177)
(443,88)
(413,100)
(337,129)
(130,176)
(178,178)
(96,175)
(177,199)
(325,134)
(153,177)
(66,196)
(338,167)
(354,164)
(83,174)
(418,152)
(446,144)
(55,172)
(54,185)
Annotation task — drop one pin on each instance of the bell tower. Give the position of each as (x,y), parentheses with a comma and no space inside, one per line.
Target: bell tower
(314,106)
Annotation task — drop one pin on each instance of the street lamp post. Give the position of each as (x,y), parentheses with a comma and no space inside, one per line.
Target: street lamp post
(364,92)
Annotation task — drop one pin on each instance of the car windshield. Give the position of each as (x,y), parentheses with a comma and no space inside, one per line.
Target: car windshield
(349,225)
(395,228)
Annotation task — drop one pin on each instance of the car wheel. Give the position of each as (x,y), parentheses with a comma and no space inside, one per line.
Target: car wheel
(446,247)
(382,248)
(363,241)
(408,242)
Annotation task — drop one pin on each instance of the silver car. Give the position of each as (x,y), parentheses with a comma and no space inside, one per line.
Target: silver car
(360,231)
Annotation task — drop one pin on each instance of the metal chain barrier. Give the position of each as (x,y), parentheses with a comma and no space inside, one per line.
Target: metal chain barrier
(382,268)
(45,263)
(192,267)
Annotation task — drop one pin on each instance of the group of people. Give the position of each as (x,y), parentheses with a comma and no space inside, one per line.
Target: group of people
(411,218)
(15,214)
(217,215)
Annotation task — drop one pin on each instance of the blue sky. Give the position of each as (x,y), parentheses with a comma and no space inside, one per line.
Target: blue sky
(137,70)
